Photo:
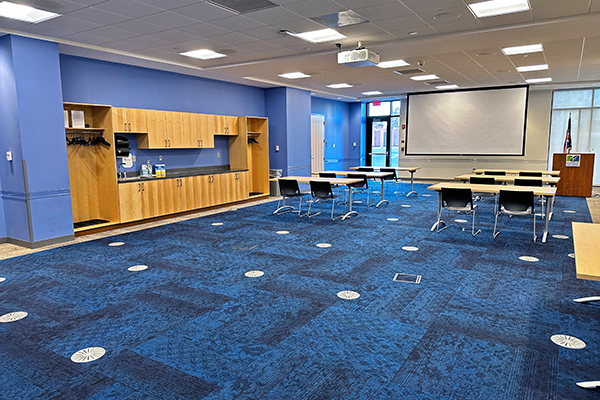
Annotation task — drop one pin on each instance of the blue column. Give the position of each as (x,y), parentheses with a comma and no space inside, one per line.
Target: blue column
(35,185)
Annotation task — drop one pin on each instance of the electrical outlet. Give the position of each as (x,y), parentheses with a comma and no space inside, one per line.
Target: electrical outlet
(354,144)
(276,148)
(9,155)
(218,155)
(333,145)
(133,157)
(159,158)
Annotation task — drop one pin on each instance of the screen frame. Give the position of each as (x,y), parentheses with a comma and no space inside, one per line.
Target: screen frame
(527,87)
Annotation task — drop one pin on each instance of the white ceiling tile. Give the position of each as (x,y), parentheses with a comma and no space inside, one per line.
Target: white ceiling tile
(170,4)
(148,41)
(315,8)
(89,2)
(157,53)
(199,44)
(204,12)
(38,29)
(259,45)
(169,20)
(67,6)
(370,39)
(302,25)
(69,23)
(552,3)
(356,4)
(174,36)
(285,41)
(278,52)
(463,14)
(457,26)
(360,29)
(233,38)
(384,11)
(424,30)
(270,15)
(419,6)
(263,33)
(572,8)
(595,6)
(129,8)
(237,23)
(204,29)
(138,26)
(83,37)
(11,23)
(123,46)
(516,18)
(394,24)
(97,16)
(111,33)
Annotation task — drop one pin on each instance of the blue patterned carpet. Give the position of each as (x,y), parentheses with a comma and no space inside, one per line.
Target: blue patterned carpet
(193,326)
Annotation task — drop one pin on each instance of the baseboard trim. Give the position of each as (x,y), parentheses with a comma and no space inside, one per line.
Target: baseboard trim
(41,243)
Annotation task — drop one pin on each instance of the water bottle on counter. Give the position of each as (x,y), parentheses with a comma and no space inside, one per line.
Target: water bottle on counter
(149,166)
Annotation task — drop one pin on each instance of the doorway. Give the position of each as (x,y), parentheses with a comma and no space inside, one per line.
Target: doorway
(383,134)
(317,143)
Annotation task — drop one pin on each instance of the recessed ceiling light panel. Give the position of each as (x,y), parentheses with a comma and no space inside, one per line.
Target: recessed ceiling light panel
(203,54)
(24,13)
(443,87)
(372,93)
(498,7)
(538,80)
(529,68)
(339,86)
(339,19)
(322,35)
(393,64)
(294,75)
(242,6)
(530,48)
(424,77)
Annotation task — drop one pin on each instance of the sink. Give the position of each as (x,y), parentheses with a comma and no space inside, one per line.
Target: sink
(134,178)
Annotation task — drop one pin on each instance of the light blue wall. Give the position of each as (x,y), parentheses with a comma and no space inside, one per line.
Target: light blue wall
(276,110)
(298,131)
(342,128)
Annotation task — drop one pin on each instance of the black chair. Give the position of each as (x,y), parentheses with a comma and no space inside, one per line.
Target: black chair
(365,169)
(395,178)
(496,173)
(483,180)
(360,187)
(515,203)
(322,192)
(530,173)
(532,182)
(459,200)
(331,175)
(288,188)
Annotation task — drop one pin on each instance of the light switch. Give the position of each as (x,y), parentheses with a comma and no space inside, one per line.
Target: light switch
(334,145)
(354,144)
(218,155)
(159,158)
(276,148)
(9,155)
(133,157)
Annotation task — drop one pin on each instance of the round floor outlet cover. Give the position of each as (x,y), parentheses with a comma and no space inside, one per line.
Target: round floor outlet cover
(217,224)
(570,342)
(405,205)
(392,219)
(410,248)
(348,295)
(116,244)
(560,236)
(427,195)
(282,232)
(569,211)
(254,274)
(529,259)
(324,245)
(462,221)
(136,268)
(13,316)
(357,201)
(88,354)
(572,255)
(2,279)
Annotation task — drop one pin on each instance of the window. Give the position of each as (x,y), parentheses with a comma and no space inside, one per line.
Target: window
(379,109)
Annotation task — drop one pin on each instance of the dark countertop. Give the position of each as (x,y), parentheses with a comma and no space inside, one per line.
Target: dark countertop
(133,176)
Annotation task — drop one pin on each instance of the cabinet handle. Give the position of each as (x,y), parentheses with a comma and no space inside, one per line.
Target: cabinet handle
(169,142)
(201,143)
(165,142)
(125,126)
(198,142)
(129,126)
(139,187)
(143,188)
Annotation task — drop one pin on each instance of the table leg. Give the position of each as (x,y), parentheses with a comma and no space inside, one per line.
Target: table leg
(383,200)
(439,213)
(350,212)
(412,175)
(549,199)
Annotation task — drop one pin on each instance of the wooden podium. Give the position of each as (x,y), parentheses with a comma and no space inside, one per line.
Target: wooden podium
(574,181)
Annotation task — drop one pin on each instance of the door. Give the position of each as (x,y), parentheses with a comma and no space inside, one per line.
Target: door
(317,143)
(377,141)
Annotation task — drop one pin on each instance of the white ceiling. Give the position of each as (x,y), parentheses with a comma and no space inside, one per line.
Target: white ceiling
(452,43)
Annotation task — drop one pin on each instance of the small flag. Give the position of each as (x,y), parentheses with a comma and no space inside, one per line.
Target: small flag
(568,145)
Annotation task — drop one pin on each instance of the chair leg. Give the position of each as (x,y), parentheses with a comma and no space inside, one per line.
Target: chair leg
(534,236)
(475,214)
(498,213)
(439,222)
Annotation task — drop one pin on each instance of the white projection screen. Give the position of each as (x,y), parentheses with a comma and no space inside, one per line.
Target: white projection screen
(482,122)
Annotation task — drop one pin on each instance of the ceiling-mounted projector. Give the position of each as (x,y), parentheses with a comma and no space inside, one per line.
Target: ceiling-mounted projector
(358,58)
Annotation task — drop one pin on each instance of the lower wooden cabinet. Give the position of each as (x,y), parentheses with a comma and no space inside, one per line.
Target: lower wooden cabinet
(154,198)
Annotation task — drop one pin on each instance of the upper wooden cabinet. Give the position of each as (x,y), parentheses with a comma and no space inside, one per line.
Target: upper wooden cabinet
(175,135)
(132,120)
(157,132)
(196,131)
(225,125)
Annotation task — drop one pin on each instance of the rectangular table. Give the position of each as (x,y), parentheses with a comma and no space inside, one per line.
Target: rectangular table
(552,181)
(412,171)
(516,171)
(373,175)
(333,181)
(546,191)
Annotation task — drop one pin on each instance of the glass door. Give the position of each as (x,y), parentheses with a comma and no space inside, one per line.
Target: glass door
(383,134)
(378,152)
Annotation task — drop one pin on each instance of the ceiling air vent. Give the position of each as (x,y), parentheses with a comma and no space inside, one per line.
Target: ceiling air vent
(242,6)
(442,82)
(410,71)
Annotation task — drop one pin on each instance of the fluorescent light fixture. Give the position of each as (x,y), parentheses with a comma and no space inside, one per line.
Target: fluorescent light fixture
(424,77)
(442,87)
(530,68)
(392,64)
(203,54)
(294,75)
(25,13)
(373,93)
(538,80)
(530,48)
(339,86)
(498,7)
(322,35)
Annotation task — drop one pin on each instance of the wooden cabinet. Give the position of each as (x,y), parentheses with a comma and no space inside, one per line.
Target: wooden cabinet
(204,132)
(176,137)
(130,201)
(196,131)
(225,125)
(132,120)
(254,155)
(157,132)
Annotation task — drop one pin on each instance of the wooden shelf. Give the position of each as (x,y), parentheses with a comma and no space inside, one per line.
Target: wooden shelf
(84,130)
(253,134)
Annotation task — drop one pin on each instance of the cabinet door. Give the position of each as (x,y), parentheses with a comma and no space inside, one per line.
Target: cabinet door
(226,187)
(150,194)
(232,126)
(243,186)
(119,119)
(137,120)
(188,199)
(205,131)
(174,130)
(130,201)
(224,125)
(169,196)
(190,130)
(157,132)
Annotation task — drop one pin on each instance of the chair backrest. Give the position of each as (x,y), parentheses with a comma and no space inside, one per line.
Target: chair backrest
(457,197)
(364,183)
(528,182)
(530,173)
(482,180)
(389,170)
(327,175)
(289,187)
(365,169)
(321,189)
(497,173)
(513,200)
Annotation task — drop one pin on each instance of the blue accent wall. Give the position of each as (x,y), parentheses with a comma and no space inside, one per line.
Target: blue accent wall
(298,131)
(342,128)
(276,111)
